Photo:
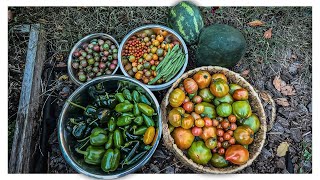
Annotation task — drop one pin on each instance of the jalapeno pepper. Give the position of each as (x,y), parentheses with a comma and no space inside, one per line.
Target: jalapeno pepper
(135,96)
(110,160)
(127,94)
(98,137)
(117,138)
(119,97)
(124,120)
(109,143)
(148,121)
(78,130)
(146,109)
(136,110)
(112,124)
(92,155)
(104,115)
(123,107)
(89,111)
(144,99)
(140,131)
(127,114)
(138,120)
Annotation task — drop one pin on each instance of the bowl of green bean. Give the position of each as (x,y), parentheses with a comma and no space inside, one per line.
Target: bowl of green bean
(109,127)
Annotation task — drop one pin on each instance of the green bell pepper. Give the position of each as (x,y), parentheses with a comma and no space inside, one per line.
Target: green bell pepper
(78,130)
(110,160)
(93,155)
(109,143)
(98,137)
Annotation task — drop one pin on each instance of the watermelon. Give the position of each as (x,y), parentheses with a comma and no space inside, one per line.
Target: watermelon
(185,18)
(220,45)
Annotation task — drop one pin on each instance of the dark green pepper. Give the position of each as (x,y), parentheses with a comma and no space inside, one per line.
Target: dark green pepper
(112,124)
(124,120)
(135,96)
(138,120)
(109,143)
(144,99)
(131,153)
(119,97)
(148,121)
(92,155)
(127,94)
(98,137)
(132,137)
(136,158)
(104,115)
(78,130)
(89,111)
(110,160)
(123,107)
(136,110)
(117,138)
(146,109)
(140,131)
(111,103)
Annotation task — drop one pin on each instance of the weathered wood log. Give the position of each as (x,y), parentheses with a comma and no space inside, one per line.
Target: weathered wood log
(23,143)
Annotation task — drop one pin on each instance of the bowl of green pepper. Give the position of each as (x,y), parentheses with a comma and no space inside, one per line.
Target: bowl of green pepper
(109,127)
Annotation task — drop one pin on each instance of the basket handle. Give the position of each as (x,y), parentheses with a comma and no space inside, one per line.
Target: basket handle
(265,96)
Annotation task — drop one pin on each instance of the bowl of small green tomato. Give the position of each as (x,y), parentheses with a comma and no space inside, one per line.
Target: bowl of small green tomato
(109,127)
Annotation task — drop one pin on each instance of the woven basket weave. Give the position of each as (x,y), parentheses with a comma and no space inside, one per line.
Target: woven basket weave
(254,148)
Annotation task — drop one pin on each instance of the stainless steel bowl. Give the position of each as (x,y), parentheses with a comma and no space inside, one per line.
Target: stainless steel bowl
(80,96)
(185,49)
(88,38)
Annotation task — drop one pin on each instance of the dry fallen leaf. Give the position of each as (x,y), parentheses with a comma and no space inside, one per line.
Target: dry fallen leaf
(63,77)
(282,102)
(245,72)
(282,87)
(256,23)
(288,90)
(268,34)
(278,83)
(282,149)
(264,96)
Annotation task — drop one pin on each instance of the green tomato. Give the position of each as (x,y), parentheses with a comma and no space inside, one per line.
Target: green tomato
(225,99)
(224,110)
(241,109)
(253,122)
(218,161)
(206,95)
(199,153)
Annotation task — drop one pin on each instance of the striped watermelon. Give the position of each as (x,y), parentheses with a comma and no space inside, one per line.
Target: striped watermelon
(185,18)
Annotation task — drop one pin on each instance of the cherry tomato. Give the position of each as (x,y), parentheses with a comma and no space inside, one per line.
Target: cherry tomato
(197,99)
(211,143)
(244,135)
(220,139)
(187,121)
(219,88)
(199,108)
(186,99)
(232,141)
(160,38)
(219,119)
(221,151)
(226,136)
(174,118)
(188,106)
(240,94)
(196,131)
(215,122)
(225,124)
(219,144)
(233,126)
(199,122)
(219,75)
(219,126)
(202,78)
(220,132)
(230,132)
(232,118)
(176,97)
(237,154)
(190,86)
(207,122)
(225,144)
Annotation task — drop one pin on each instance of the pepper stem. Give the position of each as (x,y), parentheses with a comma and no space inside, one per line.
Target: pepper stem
(84,144)
(73,121)
(81,152)
(107,95)
(81,140)
(76,105)
(93,121)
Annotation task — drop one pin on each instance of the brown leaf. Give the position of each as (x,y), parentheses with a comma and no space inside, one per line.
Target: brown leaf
(282,102)
(282,149)
(264,96)
(268,34)
(256,23)
(245,72)
(61,64)
(278,83)
(288,90)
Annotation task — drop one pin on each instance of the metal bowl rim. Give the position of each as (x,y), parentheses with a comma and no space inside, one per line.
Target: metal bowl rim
(81,41)
(63,146)
(159,86)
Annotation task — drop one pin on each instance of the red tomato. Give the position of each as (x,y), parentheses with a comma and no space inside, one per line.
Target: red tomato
(221,151)
(186,99)
(197,99)
(225,124)
(220,132)
(226,136)
(230,132)
(196,131)
(220,139)
(240,94)
(233,126)
(237,154)
(232,118)
(232,141)
(203,79)
(188,106)
(190,86)
(207,122)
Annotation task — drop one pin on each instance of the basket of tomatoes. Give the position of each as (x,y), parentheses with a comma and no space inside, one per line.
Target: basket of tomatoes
(213,120)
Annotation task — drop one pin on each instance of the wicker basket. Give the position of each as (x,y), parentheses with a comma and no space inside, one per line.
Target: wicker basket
(254,148)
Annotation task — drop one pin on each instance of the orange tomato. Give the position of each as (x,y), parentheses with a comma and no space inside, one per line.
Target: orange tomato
(202,78)
(163,32)
(243,135)
(237,154)
(187,121)
(176,97)
(160,38)
(149,135)
(219,75)
(240,94)
(219,88)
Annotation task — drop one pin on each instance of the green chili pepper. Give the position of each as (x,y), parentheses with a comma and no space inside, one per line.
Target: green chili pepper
(112,124)
(124,120)
(144,99)
(109,143)
(110,160)
(119,97)
(147,147)
(123,107)
(132,137)
(117,138)
(135,96)
(127,94)
(78,130)
(127,144)
(140,131)
(136,110)
(98,137)
(136,158)
(138,120)
(126,101)
(127,114)
(92,155)
(131,153)
(104,115)
(89,111)
(146,109)
(148,121)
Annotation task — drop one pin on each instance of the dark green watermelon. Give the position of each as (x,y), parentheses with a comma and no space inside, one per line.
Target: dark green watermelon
(185,18)
(220,45)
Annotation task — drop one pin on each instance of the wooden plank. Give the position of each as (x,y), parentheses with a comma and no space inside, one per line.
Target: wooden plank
(21,154)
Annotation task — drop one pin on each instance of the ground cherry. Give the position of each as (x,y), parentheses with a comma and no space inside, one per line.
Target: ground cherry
(232,118)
